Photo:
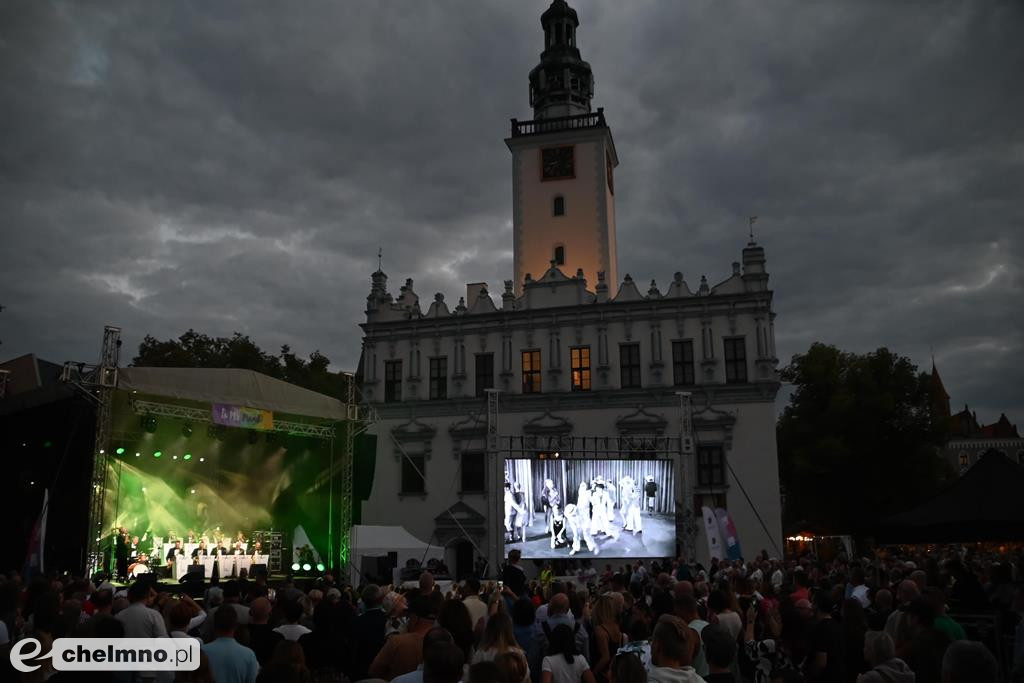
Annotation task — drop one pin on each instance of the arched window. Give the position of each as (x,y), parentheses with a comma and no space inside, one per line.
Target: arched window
(558,206)
(964,459)
(559,255)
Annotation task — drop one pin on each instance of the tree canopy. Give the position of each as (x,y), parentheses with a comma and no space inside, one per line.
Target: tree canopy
(859,439)
(195,350)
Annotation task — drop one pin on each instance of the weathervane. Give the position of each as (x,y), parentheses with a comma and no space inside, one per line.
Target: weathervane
(380,257)
(753,219)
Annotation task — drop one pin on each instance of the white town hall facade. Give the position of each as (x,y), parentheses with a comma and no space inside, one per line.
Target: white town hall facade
(583,363)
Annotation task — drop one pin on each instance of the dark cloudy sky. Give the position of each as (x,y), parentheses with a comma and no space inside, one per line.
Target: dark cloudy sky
(234,165)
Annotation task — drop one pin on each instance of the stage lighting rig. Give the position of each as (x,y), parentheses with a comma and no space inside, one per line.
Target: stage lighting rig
(186,430)
(148,423)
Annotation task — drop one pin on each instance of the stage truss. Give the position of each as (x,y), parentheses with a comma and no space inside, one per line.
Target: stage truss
(189,414)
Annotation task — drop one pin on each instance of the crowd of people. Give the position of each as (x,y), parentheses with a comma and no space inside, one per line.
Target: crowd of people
(887,619)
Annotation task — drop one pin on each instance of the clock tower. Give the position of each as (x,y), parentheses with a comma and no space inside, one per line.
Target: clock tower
(563,161)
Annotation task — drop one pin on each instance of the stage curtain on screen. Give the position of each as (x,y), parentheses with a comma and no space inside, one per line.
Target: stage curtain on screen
(568,473)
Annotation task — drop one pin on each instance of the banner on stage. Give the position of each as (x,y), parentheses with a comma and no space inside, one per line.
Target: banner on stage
(728,530)
(711,531)
(241,416)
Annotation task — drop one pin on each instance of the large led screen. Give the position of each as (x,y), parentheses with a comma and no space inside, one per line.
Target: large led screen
(590,508)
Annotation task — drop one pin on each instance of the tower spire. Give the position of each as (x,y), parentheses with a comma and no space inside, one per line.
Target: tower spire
(562,84)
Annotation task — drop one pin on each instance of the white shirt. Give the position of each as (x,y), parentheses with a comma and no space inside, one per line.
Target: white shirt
(477,609)
(861,593)
(564,672)
(292,631)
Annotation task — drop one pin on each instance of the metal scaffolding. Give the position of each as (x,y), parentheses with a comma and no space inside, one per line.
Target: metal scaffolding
(97,382)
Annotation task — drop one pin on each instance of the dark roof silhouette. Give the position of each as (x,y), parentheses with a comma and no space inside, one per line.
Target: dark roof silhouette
(982,505)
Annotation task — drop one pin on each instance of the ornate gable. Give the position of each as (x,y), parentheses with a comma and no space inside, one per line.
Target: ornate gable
(547,424)
(641,422)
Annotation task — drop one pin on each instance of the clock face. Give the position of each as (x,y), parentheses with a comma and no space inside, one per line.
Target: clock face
(557,162)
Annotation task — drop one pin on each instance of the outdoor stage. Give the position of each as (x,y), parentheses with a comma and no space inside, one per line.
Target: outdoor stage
(221,454)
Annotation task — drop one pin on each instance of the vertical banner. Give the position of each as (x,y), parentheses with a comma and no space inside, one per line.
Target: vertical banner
(37,541)
(728,530)
(711,530)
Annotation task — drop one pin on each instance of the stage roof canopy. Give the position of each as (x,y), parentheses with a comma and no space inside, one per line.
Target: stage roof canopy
(231,386)
(982,505)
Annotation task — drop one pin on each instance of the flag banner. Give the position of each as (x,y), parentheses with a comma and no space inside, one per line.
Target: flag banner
(37,540)
(241,416)
(728,530)
(711,530)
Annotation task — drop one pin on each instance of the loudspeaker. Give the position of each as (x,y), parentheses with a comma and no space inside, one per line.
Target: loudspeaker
(257,569)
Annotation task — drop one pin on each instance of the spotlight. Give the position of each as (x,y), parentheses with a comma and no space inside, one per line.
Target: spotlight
(320,566)
(149,423)
(296,567)
(186,430)
(192,491)
(120,451)
(202,459)
(157,454)
(143,489)
(174,457)
(138,455)
(187,456)
(306,567)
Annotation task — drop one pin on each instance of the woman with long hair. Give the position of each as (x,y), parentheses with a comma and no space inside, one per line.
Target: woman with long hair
(607,635)
(498,640)
(564,664)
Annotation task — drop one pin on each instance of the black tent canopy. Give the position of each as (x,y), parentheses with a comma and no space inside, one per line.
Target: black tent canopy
(985,504)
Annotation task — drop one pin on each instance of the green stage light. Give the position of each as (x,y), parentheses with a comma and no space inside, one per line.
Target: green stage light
(120,451)
(295,567)
(320,566)
(187,456)
(306,567)
(157,454)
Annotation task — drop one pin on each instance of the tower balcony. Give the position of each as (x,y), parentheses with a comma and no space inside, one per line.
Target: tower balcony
(554,125)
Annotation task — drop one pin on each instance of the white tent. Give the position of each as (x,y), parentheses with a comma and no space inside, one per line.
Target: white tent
(377,541)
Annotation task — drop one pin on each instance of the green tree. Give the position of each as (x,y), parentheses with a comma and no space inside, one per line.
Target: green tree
(195,350)
(859,438)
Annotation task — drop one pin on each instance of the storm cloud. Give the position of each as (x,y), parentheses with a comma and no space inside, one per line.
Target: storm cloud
(236,165)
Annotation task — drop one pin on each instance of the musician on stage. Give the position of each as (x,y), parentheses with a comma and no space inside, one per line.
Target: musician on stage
(650,492)
(238,550)
(220,550)
(173,553)
(257,549)
(200,551)
(121,550)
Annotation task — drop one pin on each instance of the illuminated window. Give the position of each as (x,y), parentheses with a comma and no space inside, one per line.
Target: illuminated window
(559,206)
(965,460)
(579,359)
(531,372)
